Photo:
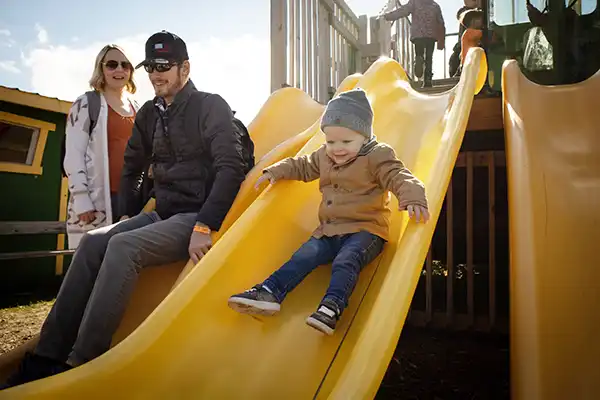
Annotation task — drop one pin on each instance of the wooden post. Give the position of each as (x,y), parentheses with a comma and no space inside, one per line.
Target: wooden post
(315,47)
(492,236)
(450,255)
(309,25)
(470,244)
(62,216)
(324,51)
(278,44)
(384,35)
(305,38)
(291,44)
(298,47)
(363,25)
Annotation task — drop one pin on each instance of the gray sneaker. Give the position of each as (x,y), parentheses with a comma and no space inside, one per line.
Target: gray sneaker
(324,319)
(257,300)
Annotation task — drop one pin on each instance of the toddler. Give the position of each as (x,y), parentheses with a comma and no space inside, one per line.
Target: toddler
(355,173)
(472,20)
(454,61)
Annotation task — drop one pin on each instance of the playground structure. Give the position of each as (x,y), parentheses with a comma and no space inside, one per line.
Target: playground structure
(554,288)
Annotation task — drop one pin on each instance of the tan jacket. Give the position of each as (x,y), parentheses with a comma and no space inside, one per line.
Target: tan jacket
(355,194)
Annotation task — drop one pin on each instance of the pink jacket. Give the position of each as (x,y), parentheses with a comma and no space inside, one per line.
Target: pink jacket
(427,20)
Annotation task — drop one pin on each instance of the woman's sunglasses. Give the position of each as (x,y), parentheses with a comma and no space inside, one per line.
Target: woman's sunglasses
(112,65)
(158,67)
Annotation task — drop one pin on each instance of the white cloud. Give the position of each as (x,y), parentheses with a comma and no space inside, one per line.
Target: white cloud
(238,69)
(9,66)
(42,33)
(8,41)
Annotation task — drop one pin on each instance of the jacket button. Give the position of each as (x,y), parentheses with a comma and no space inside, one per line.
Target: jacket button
(328,221)
(336,186)
(329,202)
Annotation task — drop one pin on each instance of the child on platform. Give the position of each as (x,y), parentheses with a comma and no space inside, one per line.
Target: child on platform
(454,61)
(356,173)
(427,27)
(472,21)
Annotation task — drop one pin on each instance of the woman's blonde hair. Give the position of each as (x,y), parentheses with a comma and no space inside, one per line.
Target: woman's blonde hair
(97,79)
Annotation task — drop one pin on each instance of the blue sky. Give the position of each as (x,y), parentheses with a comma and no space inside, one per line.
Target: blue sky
(49,46)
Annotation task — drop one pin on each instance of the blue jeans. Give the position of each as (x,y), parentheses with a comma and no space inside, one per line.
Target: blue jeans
(349,254)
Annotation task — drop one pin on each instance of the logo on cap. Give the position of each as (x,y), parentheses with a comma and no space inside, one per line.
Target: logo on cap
(161,48)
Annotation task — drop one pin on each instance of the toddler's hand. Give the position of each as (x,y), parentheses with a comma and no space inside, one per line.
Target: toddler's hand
(418,213)
(264,177)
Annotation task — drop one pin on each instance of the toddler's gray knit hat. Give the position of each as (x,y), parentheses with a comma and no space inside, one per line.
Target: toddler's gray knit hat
(351,110)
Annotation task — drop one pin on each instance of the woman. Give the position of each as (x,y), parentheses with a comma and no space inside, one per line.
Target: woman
(94,157)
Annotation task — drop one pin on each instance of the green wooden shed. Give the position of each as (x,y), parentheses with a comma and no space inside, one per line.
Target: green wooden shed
(32,127)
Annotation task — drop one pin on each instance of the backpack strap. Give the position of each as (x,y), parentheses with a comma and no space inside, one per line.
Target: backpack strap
(192,112)
(94,103)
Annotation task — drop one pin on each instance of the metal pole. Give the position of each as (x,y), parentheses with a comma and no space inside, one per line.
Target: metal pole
(556,17)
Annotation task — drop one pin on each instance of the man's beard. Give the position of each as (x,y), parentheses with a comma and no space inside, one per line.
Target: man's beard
(171,91)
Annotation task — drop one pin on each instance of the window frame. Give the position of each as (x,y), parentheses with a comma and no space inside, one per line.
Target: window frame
(43,128)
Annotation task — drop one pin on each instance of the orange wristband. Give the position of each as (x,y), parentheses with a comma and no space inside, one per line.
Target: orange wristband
(202,229)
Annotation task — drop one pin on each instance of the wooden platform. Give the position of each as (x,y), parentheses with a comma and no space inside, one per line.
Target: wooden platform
(486,114)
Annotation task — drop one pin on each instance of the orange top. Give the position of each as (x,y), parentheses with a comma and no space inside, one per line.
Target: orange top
(119,130)
(470,38)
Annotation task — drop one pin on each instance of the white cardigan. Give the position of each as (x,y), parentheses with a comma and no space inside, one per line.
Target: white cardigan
(86,164)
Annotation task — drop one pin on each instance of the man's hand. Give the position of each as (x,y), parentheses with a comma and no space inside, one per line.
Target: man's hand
(418,213)
(124,217)
(87,217)
(200,242)
(264,177)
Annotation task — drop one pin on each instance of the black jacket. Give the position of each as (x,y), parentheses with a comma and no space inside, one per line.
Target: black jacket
(195,154)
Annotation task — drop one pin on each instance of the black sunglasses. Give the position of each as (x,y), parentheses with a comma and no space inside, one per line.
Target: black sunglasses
(112,64)
(158,67)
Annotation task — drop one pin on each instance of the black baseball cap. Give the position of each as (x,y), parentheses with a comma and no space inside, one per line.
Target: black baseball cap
(164,48)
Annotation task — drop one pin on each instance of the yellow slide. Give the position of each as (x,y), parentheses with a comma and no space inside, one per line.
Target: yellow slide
(194,346)
(553,154)
(274,132)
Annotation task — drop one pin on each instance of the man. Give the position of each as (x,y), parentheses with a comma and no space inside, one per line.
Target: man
(197,174)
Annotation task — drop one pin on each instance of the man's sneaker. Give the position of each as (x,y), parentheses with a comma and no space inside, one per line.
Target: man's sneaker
(257,300)
(419,64)
(34,367)
(324,319)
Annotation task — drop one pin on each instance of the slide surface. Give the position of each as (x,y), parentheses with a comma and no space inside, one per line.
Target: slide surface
(553,154)
(194,346)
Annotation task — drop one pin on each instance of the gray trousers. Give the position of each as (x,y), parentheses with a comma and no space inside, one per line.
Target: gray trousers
(101,279)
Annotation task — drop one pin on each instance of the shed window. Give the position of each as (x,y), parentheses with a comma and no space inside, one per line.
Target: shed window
(17,143)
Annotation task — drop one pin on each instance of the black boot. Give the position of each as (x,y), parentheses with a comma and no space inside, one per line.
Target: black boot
(34,367)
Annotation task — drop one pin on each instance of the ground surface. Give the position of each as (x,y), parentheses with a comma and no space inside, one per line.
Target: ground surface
(430,365)
(21,323)
(427,365)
